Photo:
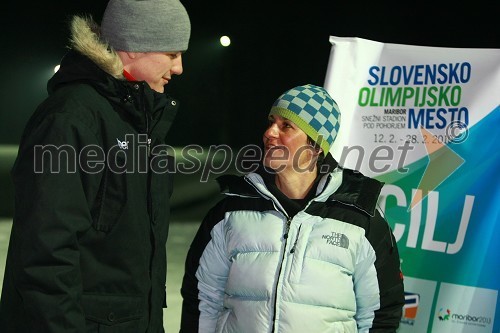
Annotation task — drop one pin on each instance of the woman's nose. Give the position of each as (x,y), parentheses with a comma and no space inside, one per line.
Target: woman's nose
(272,131)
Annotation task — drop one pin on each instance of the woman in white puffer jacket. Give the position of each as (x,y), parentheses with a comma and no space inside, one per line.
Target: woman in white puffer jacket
(297,246)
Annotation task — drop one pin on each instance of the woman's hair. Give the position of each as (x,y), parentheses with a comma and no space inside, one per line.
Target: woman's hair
(317,149)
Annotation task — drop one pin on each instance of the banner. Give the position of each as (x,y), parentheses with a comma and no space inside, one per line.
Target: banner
(426,122)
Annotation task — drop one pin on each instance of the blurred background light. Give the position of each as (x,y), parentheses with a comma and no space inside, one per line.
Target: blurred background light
(225,41)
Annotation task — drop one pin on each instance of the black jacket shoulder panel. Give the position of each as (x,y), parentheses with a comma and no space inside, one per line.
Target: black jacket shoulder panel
(236,184)
(359,191)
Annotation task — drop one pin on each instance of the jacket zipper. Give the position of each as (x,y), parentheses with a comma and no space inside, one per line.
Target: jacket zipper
(149,180)
(285,237)
(296,239)
(140,91)
(140,96)
(148,138)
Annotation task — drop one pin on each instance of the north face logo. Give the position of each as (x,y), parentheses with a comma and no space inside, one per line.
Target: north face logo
(337,239)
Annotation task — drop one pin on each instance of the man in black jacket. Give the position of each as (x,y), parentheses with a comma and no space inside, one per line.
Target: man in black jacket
(87,250)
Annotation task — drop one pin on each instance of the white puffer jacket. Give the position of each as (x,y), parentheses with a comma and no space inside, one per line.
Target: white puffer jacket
(255,269)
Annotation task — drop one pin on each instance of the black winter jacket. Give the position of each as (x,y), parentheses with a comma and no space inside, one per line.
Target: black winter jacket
(92,185)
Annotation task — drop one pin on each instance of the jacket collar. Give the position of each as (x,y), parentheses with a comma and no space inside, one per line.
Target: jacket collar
(346,186)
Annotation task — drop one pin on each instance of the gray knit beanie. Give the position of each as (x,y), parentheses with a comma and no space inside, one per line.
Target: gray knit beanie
(146,25)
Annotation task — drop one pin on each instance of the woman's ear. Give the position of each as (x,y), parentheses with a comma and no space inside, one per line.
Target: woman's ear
(316,151)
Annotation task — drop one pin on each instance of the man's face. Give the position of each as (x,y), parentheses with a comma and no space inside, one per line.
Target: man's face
(156,68)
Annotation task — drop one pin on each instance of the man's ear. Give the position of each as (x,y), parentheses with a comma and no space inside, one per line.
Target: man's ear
(131,55)
(126,57)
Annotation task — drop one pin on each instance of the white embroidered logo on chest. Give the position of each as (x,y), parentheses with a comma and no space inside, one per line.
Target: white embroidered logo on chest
(122,144)
(337,239)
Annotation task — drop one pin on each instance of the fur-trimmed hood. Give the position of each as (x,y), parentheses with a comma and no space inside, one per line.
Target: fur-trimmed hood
(89,59)
(85,38)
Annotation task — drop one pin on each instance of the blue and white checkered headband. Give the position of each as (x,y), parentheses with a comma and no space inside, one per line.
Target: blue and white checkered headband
(313,110)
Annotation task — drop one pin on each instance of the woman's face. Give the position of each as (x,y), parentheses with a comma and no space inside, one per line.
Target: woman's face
(286,146)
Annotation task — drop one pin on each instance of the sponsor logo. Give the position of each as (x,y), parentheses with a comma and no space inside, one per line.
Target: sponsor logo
(410,308)
(122,144)
(463,318)
(337,239)
(444,315)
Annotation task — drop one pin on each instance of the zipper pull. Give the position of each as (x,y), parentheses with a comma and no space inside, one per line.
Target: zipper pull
(296,239)
(285,236)
(149,147)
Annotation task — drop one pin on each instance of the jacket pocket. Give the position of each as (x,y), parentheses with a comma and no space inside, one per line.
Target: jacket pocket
(161,187)
(108,313)
(111,199)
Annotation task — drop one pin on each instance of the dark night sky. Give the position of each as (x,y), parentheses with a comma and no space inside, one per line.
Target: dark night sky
(225,93)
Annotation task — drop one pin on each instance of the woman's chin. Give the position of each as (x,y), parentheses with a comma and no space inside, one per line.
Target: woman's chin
(274,164)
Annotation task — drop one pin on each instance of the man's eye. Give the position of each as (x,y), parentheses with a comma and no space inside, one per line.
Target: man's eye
(173,55)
